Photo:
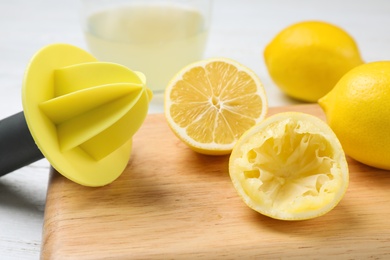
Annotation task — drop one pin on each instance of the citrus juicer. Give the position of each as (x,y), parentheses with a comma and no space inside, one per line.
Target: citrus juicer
(78,113)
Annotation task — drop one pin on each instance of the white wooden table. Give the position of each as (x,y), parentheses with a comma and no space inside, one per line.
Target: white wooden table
(240,30)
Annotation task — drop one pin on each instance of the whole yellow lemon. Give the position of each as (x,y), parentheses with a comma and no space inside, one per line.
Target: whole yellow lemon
(358,111)
(306,59)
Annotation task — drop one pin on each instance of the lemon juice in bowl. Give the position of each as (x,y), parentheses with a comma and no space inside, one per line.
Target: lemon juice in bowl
(157,38)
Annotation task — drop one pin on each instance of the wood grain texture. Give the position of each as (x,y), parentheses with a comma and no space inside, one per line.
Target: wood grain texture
(171,203)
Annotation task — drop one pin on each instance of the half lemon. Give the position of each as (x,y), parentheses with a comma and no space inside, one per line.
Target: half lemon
(291,166)
(210,103)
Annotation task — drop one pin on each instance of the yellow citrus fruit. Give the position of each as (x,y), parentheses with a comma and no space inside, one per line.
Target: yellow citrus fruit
(291,166)
(210,103)
(305,60)
(358,111)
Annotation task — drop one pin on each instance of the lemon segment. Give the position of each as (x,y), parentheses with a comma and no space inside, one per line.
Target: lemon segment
(211,103)
(290,166)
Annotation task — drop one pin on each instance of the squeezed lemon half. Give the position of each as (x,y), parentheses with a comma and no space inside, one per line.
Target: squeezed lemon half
(291,166)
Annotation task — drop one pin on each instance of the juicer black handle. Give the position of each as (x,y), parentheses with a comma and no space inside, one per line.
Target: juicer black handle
(17,147)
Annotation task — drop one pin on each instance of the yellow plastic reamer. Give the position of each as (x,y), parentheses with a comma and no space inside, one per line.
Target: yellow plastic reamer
(82,113)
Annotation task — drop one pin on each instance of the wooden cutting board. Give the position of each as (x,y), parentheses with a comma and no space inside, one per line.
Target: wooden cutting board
(171,203)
